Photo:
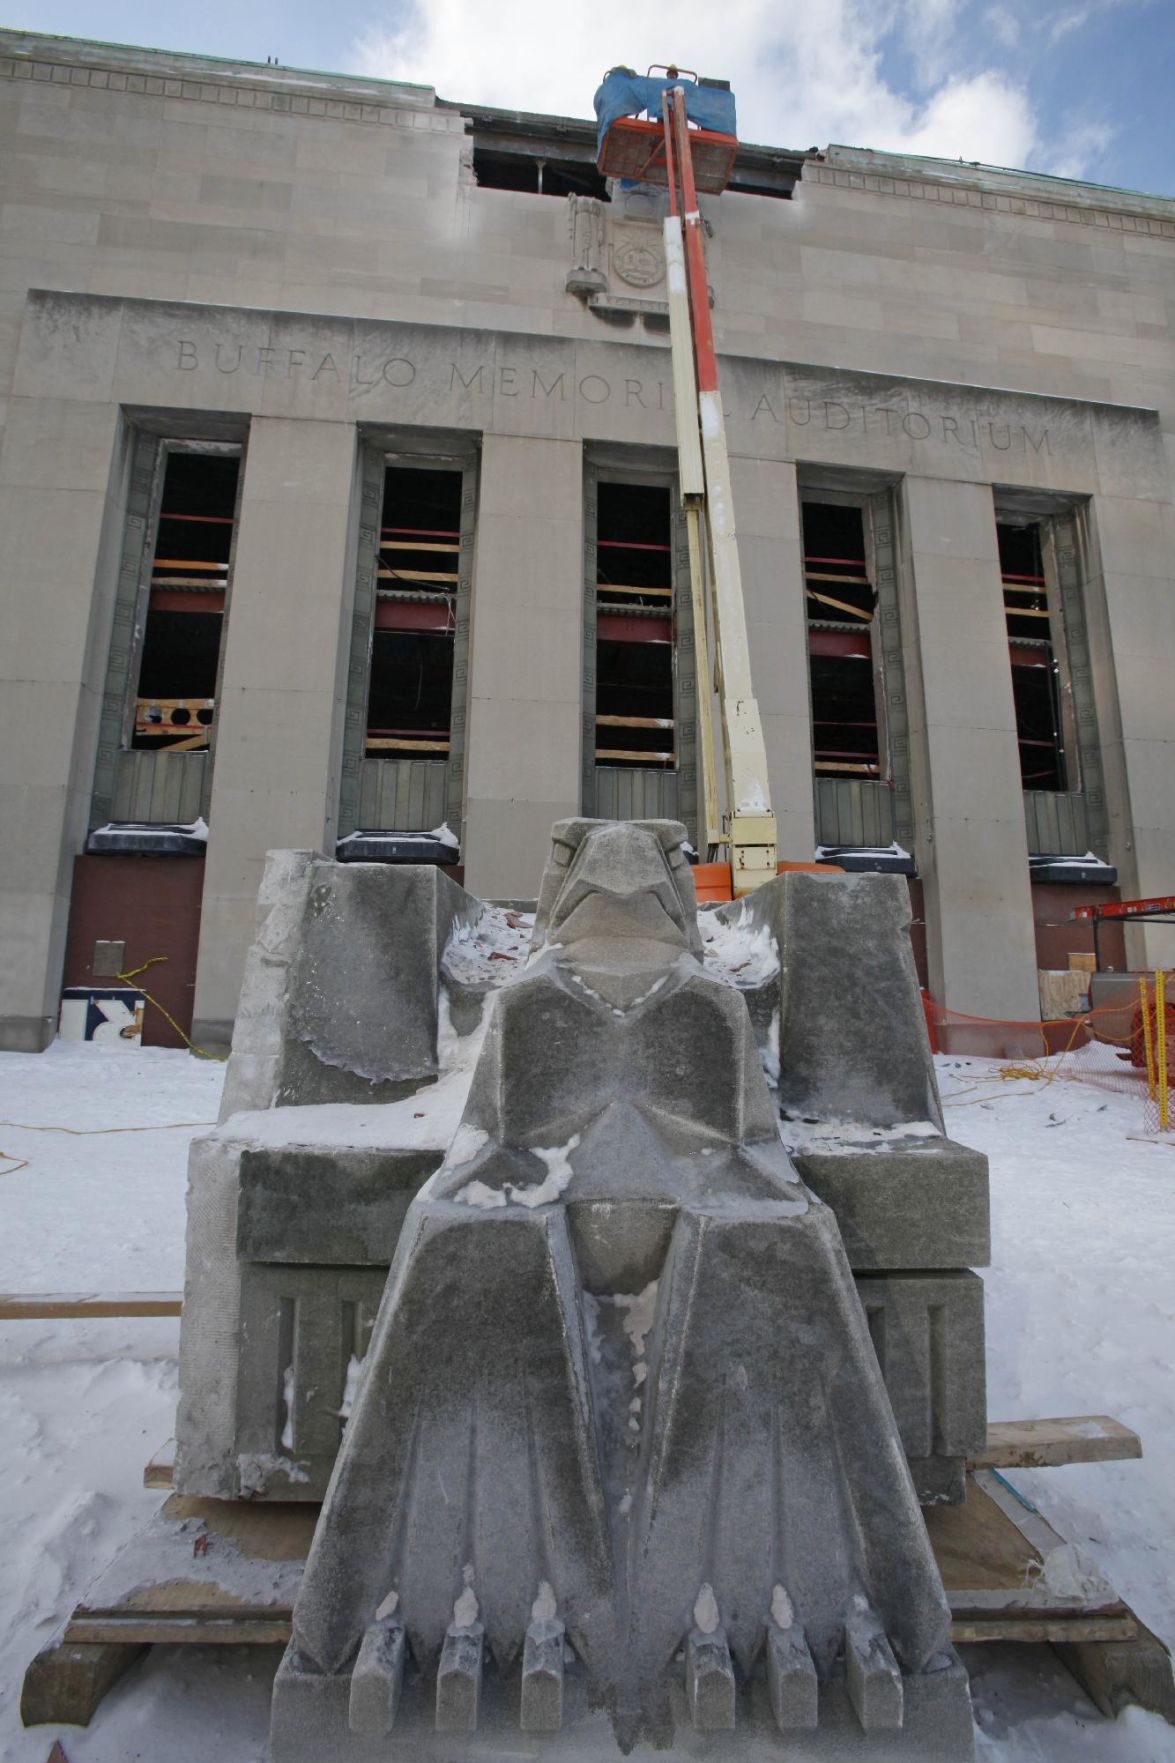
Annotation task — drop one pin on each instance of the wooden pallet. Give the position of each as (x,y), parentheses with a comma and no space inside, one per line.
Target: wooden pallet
(227,1572)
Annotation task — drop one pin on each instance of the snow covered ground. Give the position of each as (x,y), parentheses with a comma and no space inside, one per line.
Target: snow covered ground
(1081,1319)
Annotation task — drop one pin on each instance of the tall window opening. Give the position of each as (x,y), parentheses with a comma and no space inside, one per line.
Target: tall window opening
(634,627)
(410,698)
(176,699)
(1035,672)
(840,606)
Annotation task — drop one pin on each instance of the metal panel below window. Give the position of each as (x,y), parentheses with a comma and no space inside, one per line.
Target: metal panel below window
(404,795)
(634,793)
(1057,823)
(854,811)
(162,787)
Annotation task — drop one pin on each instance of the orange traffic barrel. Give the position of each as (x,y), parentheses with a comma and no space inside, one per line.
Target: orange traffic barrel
(712,881)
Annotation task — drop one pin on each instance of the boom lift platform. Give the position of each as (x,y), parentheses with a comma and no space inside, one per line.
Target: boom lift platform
(665,150)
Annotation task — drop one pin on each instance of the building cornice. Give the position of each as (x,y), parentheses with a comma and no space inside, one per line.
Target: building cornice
(157,73)
(997,191)
(39,59)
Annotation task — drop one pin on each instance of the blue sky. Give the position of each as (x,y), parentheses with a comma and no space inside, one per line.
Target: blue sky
(1079,88)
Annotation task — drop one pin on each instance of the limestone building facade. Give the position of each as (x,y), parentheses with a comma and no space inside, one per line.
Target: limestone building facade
(337,499)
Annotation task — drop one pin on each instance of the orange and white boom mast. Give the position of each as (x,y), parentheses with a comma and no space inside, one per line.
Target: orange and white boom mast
(704,468)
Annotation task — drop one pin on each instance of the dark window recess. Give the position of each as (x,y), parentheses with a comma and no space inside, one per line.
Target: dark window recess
(496,170)
(410,698)
(1035,671)
(634,626)
(174,705)
(840,606)
(746,185)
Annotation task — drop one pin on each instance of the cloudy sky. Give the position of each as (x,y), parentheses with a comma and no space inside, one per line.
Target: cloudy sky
(1079,88)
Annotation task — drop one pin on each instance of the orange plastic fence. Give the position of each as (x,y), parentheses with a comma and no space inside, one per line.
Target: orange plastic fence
(1127,1048)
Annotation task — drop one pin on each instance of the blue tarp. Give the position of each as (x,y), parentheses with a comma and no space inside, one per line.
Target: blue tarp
(627,94)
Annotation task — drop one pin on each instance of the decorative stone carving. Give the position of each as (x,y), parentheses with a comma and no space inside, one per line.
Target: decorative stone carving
(638,259)
(586,225)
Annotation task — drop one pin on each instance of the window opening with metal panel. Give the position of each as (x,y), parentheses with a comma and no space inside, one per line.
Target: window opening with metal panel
(403,758)
(1036,685)
(841,601)
(635,721)
(179,661)
(410,697)
(640,736)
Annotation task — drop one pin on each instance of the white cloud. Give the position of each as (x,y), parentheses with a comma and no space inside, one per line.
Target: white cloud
(985,108)
(1003,24)
(1075,153)
(1067,22)
(806,74)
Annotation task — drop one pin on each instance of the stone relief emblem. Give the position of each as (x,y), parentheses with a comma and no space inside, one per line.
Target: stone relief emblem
(639,262)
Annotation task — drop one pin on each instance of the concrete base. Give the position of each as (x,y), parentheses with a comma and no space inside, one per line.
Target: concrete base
(303,1236)
(310,1724)
(26,1034)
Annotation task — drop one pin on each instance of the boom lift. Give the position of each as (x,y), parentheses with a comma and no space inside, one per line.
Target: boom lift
(667,151)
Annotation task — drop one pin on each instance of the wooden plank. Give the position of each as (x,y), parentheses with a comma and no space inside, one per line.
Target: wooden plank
(417,575)
(391,744)
(1037,1630)
(190,1576)
(1043,1444)
(178,1628)
(635,721)
(159,1470)
(992,1552)
(619,588)
(411,545)
(840,605)
(977,1547)
(39,1306)
(1122,1673)
(66,1681)
(263,1530)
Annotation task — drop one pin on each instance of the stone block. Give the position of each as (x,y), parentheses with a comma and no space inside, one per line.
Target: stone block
(852,1035)
(928,1334)
(290,1255)
(339,1000)
(904,1204)
(304,1331)
(309,1716)
(340,1206)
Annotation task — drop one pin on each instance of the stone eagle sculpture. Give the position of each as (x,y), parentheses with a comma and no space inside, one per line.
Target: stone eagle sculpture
(621,1413)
